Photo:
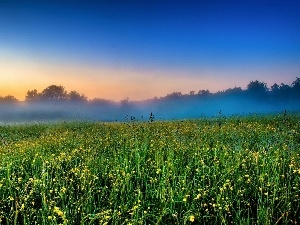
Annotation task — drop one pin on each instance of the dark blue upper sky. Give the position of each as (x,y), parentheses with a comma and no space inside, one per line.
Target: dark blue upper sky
(200,38)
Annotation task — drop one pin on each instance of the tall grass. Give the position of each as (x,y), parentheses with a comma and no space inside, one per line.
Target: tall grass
(207,171)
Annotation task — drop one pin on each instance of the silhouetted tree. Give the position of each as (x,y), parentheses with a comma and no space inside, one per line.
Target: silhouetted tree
(257,88)
(8,99)
(192,93)
(125,101)
(174,95)
(204,92)
(296,83)
(281,92)
(74,96)
(275,89)
(234,91)
(285,91)
(296,86)
(32,95)
(54,93)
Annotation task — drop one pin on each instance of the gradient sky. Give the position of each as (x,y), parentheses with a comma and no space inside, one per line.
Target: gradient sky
(141,49)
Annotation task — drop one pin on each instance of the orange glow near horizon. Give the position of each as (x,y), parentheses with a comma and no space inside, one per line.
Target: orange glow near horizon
(19,75)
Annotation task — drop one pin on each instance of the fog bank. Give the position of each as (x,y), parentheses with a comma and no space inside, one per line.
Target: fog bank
(184,107)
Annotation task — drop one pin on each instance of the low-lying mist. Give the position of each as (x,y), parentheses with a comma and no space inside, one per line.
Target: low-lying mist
(161,109)
(55,104)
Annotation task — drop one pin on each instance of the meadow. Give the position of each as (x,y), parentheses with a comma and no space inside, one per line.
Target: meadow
(236,170)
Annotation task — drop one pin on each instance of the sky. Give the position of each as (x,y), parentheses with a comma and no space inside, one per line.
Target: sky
(142,49)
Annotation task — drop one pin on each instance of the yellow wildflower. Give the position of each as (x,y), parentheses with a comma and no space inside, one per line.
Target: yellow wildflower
(192,218)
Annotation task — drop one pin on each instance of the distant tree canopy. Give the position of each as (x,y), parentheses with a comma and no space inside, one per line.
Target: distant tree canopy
(256,89)
(32,95)
(174,95)
(8,99)
(235,91)
(296,86)
(204,92)
(125,101)
(74,96)
(54,93)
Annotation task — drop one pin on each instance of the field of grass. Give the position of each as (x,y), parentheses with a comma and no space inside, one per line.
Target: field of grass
(207,171)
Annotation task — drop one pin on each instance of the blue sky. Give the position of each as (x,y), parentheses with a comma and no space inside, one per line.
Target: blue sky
(142,49)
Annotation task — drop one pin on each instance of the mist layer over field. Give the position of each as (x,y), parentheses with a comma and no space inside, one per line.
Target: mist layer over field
(160,109)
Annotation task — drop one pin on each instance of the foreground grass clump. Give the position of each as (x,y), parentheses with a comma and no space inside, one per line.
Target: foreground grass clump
(207,171)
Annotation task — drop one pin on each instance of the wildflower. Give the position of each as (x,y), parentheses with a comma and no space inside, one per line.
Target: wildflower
(63,190)
(192,218)
(198,196)
(58,211)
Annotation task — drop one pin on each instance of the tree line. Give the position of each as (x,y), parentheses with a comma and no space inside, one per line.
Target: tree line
(255,89)
(54,93)
(57,93)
